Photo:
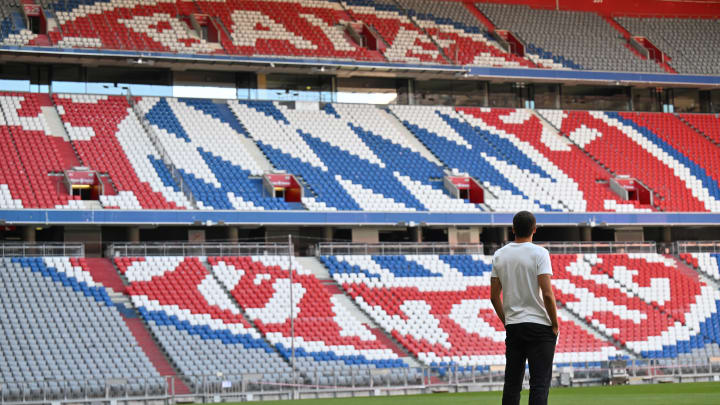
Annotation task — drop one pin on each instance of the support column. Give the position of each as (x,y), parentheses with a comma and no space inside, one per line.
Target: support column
(233,234)
(667,234)
(504,235)
(452,235)
(586,234)
(327,234)
(133,234)
(365,235)
(29,234)
(416,234)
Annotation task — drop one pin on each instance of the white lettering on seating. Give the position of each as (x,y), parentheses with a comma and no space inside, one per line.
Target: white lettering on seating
(467,315)
(333,34)
(250,26)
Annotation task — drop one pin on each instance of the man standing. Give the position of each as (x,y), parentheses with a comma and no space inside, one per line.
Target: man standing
(521,272)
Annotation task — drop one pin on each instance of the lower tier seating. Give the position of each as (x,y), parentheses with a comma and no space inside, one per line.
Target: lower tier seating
(197,323)
(642,301)
(707,263)
(438,308)
(330,341)
(63,337)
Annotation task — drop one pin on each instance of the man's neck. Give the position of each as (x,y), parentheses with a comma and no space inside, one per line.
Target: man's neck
(523,240)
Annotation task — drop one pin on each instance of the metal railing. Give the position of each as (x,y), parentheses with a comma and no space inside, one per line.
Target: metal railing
(599,247)
(697,246)
(331,249)
(198,249)
(19,249)
(316,383)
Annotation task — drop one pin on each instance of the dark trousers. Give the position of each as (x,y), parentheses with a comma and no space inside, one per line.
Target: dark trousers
(536,344)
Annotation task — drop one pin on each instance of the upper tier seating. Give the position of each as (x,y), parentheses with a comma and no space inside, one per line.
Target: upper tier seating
(438,307)
(577,40)
(644,301)
(679,182)
(196,323)
(62,335)
(306,28)
(329,338)
(461,36)
(128,24)
(705,123)
(406,42)
(687,41)
(410,31)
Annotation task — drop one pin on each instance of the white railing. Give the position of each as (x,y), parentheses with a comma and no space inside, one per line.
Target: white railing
(331,249)
(313,383)
(198,249)
(19,249)
(599,247)
(697,246)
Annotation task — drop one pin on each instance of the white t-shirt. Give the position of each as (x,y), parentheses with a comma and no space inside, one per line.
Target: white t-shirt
(518,266)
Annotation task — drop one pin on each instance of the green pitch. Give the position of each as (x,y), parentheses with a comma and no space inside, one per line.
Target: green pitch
(658,394)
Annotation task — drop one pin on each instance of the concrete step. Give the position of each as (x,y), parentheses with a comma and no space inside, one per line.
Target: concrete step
(103,271)
(697,272)
(314,265)
(154,353)
(257,155)
(54,122)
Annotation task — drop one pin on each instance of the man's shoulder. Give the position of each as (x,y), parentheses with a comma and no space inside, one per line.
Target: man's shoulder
(500,251)
(539,249)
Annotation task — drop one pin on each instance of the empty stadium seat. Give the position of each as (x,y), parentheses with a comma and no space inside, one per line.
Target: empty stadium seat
(438,308)
(679,183)
(577,175)
(26,180)
(62,336)
(329,339)
(109,138)
(641,300)
(197,323)
(684,40)
(594,45)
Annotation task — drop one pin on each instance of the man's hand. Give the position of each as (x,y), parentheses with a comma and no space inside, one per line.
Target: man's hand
(556,329)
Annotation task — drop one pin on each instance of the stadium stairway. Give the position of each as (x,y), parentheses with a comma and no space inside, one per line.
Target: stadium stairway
(105,270)
(152,351)
(696,122)
(321,272)
(705,265)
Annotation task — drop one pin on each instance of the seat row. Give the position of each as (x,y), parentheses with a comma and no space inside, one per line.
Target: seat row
(409,31)
(169,153)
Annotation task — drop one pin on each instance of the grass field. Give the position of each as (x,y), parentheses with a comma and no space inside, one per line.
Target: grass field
(658,394)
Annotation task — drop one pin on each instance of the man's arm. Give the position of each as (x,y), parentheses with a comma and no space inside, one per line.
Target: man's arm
(549,300)
(495,290)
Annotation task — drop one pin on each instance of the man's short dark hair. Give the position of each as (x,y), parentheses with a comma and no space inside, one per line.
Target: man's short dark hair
(523,224)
